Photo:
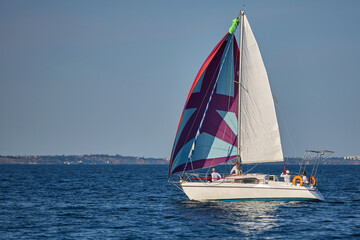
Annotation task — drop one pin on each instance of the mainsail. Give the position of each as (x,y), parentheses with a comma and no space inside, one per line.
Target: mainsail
(260,137)
(207,134)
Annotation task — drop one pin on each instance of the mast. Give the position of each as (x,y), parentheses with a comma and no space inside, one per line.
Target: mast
(241,16)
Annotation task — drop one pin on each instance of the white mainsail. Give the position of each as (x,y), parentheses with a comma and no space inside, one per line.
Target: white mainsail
(260,136)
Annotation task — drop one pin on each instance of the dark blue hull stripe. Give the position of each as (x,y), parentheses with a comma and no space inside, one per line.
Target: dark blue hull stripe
(268,199)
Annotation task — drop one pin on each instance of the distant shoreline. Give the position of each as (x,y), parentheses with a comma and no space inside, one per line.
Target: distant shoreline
(94,159)
(80,159)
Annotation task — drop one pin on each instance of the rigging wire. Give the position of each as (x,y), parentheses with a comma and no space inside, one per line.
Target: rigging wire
(251,168)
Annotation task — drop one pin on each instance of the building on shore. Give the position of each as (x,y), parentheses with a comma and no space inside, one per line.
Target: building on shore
(352,157)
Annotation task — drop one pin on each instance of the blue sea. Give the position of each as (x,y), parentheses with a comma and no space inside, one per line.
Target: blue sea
(137,202)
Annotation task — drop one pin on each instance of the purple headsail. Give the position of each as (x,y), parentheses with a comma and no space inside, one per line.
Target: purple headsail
(208,124)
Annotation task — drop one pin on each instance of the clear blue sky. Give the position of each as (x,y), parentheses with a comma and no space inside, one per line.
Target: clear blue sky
(84,77)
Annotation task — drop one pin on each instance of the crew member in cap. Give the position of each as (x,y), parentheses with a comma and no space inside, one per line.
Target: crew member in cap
(286,176)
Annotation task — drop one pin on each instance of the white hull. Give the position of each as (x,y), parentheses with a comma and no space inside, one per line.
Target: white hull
(233,191)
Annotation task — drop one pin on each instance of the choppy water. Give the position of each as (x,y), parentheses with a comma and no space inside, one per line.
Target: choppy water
(136,202)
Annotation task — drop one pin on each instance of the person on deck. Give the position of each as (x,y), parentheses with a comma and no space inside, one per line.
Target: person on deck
(214,175)
(305,179)
(235,170)
(286,176)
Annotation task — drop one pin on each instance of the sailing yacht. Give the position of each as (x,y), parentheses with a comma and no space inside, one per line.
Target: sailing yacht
(230,115)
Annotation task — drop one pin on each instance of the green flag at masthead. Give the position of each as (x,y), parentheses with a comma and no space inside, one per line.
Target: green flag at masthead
(234,25)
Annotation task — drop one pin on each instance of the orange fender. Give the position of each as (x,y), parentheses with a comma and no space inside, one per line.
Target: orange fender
(313,180)
(297,178)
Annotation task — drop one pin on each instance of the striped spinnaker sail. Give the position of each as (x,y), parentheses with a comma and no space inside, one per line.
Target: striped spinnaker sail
(208,124)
